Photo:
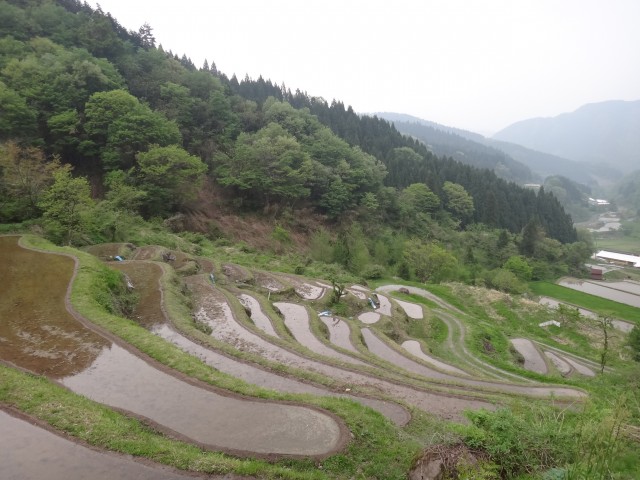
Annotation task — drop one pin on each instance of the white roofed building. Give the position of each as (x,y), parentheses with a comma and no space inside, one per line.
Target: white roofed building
(619,258)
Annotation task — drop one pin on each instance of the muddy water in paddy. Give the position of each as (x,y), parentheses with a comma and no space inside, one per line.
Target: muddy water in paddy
(414,348)
(114,376)
(30,452)
(533,360)
(119,379)
(257,376)
(413,311)
(563,367)
(36,331)
(145,278)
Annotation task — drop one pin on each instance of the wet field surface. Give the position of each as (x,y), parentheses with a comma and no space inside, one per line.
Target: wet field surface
(621,325)
(28,452)
(533,360)
(296,318)
(40,335)
(413,310)
(211,305)
(260,319)
(381,349)
(369,317)
(602,290)
(145,278)
(122,380)
(339,333)
(413,347)
(226,328)
(37,332)
(561,365)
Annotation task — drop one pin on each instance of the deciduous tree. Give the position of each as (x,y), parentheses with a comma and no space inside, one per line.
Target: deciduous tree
(63,204)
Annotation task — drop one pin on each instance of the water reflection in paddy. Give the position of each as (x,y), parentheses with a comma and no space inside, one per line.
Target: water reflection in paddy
(602,290)
(40,335)
(33,453)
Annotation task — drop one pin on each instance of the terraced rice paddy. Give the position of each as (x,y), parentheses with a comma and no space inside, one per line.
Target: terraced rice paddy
(333,356)
(629,296)
(113,375)
(33,452)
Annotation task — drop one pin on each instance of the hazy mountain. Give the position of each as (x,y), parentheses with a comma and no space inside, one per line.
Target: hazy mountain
(606,133)
(461,145)
(503,154)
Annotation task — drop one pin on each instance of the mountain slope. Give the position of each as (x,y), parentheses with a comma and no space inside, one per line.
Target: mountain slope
(539,163)
(598,133)
(457,144)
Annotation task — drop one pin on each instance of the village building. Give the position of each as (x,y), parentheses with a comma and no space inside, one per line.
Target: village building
(621,259)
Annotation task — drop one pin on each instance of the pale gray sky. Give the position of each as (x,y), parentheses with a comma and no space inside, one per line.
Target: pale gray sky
(474,64)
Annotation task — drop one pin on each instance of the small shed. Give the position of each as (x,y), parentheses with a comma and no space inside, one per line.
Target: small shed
(597,274)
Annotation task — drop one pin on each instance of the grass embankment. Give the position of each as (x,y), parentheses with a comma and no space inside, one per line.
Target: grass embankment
(375,440)
(596,304)
(619,243)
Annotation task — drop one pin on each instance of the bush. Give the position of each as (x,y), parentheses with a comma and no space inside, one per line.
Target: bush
(373,271)
(506,281)
(525,441)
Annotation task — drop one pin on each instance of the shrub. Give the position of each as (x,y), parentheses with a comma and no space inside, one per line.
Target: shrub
(373,271)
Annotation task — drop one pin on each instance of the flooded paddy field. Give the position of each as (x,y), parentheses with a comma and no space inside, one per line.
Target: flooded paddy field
(227,329)
(604,290)
(31,452)
(296,318)
(37,332)
(42,336)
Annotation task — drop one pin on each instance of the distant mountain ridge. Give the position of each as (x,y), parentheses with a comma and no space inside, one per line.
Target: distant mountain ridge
(465,147)
(604,133)
(502,154)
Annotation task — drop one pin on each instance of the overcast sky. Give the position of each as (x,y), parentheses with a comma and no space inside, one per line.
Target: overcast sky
(474,64)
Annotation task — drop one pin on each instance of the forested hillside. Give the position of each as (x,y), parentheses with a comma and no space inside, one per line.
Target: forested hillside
(470,152)
(102,128)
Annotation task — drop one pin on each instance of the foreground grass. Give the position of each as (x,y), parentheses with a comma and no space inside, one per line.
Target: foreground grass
(596,304)
(375,440)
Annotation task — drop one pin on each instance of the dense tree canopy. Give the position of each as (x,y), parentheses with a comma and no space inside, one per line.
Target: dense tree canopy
(146,126)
